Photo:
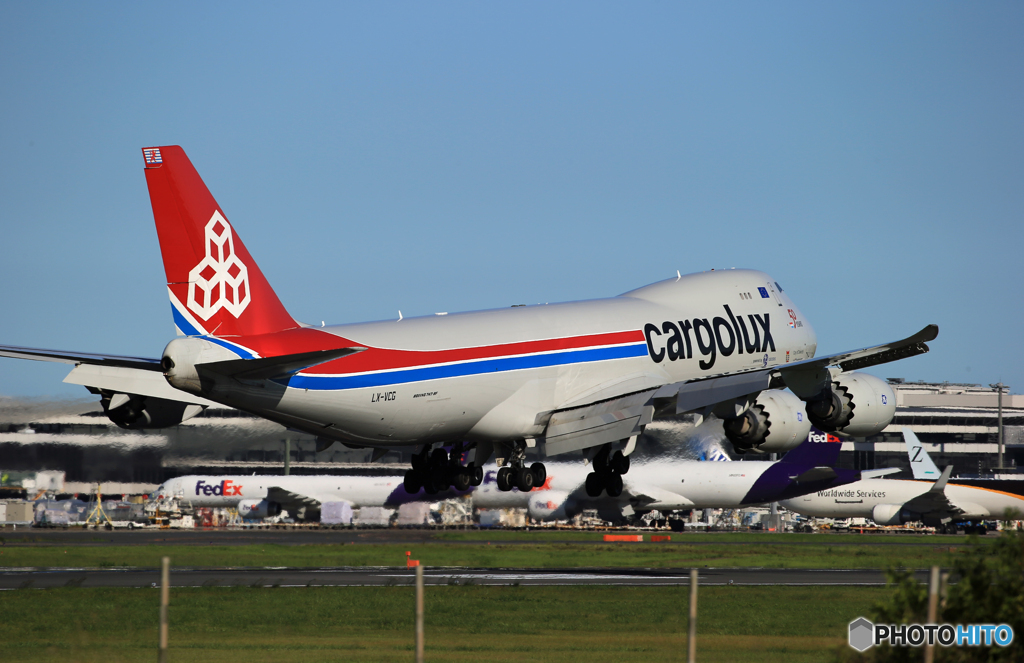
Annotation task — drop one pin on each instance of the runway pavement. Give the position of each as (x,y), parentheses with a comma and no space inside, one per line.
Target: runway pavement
(399,576)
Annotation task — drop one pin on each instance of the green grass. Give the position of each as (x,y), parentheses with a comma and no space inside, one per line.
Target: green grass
(791,624)
(536,555)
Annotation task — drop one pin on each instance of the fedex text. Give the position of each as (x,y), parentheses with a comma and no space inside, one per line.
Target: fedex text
(225,488)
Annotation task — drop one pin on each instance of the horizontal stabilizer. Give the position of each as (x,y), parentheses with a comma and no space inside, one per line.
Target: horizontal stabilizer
(268,368)
(64,357)
(881,472)
(128,381)
(816,474)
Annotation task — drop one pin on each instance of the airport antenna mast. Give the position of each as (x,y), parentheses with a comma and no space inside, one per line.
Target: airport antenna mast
(98,515)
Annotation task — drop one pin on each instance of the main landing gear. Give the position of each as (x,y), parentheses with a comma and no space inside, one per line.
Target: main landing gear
(608,470)
(518,475)
(436,470)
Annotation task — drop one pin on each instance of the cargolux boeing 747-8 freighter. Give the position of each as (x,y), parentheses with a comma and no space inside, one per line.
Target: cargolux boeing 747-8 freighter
(586,375)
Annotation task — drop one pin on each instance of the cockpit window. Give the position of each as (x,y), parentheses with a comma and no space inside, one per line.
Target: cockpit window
(778,286)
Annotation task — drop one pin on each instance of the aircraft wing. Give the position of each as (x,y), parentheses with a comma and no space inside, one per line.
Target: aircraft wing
(291,500)
(622,417)
(935,500)
(60,356)
(652,497)
(853,360)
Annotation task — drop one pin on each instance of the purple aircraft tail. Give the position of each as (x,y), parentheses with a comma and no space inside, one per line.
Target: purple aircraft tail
(819,449)
(808,468)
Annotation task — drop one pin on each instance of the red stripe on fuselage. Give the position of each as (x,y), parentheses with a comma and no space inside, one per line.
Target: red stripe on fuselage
(310,339)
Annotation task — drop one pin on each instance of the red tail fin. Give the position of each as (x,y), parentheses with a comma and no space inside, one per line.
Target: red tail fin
(215,286)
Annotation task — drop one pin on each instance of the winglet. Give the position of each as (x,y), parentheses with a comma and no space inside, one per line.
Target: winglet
(940,485)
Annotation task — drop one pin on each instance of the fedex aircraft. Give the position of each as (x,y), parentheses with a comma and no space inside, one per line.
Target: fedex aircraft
(666,486)
(678,485)
(585,375)
(258,497)
(929,498)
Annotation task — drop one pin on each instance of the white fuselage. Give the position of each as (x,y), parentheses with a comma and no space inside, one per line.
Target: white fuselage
(859,499)
(227,491)
(487,374)
(663,485)
(672,485)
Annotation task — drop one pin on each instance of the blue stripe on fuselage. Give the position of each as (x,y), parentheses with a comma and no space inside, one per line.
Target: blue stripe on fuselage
(237,349)
(330,382)
(184,325)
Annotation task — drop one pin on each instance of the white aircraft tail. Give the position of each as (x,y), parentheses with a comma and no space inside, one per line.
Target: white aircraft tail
(920,462)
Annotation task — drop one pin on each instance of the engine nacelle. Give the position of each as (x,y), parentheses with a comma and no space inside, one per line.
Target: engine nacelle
(548,505)
(135,412)
(890,514)
(183,355)
(255,509)
(858,404)
(775,422)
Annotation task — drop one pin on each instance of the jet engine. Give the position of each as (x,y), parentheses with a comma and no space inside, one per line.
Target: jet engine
(891,514)
(548,505)
(775,422)
(258,509)
(135,412)
(858,404)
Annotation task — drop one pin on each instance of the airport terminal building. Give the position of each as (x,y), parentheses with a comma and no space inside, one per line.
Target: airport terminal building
(958,423)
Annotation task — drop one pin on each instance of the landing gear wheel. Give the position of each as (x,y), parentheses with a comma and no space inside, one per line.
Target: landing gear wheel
(412,482)
(613,484)
(462,479)
(505,479)
(524,479)
(478,475)
(619,462)
(594,484)
(601,462)
(419,462)
(430,487)
(540,474)
(438,458)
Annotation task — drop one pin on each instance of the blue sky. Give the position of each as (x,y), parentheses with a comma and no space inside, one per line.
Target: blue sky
(447,157)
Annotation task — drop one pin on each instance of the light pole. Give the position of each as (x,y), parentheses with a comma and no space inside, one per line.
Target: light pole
(999,386)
